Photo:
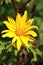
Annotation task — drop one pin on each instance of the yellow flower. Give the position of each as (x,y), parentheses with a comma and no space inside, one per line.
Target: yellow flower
(20,31)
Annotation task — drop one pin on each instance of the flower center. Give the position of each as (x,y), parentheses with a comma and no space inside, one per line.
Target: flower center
(19,32)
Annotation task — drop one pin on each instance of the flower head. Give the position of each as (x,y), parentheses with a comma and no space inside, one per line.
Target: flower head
(20,31)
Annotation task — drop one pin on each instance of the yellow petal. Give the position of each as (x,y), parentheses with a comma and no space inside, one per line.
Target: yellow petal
(11,20)
(5,31)
(30,38)
(31,27)
(18,20)
(9,26)
(31,32)
(23,19)
(29,22)
(19,44)
(9,34)
(25,41)
(13,41)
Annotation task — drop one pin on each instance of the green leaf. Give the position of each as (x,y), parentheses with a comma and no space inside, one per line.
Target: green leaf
(8,47)
(8,1)
(18,0)
(2,47)
(34,54)
(38,52)
(15,52)
(9,50)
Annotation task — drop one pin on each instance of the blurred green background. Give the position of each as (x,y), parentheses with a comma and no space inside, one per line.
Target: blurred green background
(10,8)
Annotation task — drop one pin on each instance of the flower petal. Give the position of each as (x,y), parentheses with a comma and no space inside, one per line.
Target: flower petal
(25,41)
(9,26)
(18,20)
(13,41)
(30,27)
(9,34)
(11,20)
(31,32)
(19,43)
(29,22)
(5,31)
(23,19)
(30,38)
